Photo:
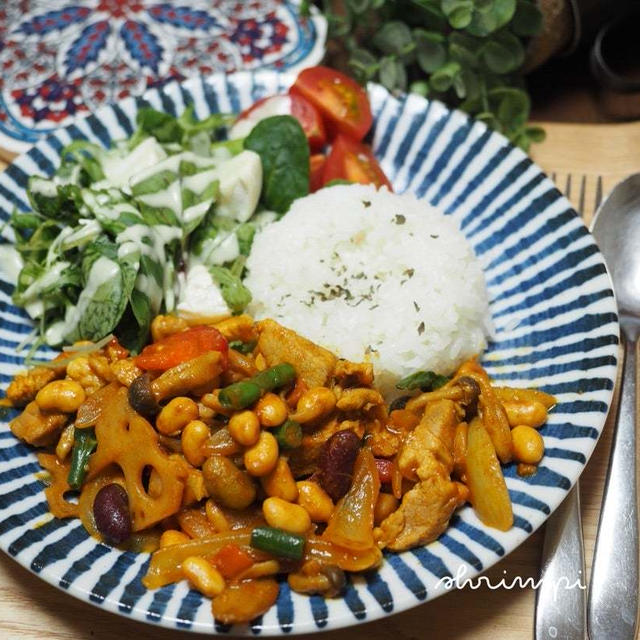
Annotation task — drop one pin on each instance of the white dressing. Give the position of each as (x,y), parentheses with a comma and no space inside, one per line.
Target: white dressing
(118,170)
(10,262)
(199,295)
(240,186)
(170,198)
(47,280)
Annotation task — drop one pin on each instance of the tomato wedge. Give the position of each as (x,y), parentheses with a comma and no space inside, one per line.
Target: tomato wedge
(355,162)
(316,170)
(182,346)
(290,104)
(309,117)
(342,101)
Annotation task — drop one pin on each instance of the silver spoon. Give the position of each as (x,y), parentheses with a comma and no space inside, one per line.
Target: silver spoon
(613,592)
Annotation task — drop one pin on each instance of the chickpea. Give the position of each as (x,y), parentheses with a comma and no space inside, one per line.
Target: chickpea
(528,445)
(285,515)
(315,500)
(101,366)
(173,536)
(176,415)
(280,482)
(262,457)
(80,370)
(61,395)
(163,326)
(315,403)
(125,371)
(194,435)
(385,506)
(532,414)
(244,428)
(203,576)
(271,410)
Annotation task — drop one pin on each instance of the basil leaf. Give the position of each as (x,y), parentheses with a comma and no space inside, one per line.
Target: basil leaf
(58,202)
(154,183)
(283,149)
(423,380)
(235,294)
(102,311)
(133,328)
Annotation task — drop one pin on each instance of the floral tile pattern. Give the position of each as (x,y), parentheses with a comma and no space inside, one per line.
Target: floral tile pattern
(62,58)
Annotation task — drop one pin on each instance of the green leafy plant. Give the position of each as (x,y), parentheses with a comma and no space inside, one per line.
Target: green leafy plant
(467,53)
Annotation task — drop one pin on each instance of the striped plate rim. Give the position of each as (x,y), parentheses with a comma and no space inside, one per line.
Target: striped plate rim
(556,329)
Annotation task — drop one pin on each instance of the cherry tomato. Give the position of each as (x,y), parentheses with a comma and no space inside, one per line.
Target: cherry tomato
(309,117)
(290,104)
(182,346)
(316,170)
(355,162)
(341,101)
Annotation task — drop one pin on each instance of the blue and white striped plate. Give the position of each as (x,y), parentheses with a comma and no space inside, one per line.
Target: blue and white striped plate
(556,329)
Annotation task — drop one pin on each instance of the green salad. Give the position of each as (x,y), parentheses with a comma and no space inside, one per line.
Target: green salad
(159,223)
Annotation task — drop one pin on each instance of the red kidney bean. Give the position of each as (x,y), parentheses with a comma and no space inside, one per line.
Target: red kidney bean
(385,470)
(111,512)
(335,466)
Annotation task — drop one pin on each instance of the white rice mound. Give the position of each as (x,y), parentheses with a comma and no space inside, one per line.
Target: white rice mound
(373,276)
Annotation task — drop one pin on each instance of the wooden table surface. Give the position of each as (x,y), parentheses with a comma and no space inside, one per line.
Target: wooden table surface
(585,161)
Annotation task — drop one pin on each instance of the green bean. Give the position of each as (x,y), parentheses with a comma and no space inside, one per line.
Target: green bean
(278,542)
(83,446)
(288,434)
(243,394)
(279,376)
(243,347)
(240,395)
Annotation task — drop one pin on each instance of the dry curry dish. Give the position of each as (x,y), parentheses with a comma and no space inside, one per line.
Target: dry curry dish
(240,451)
